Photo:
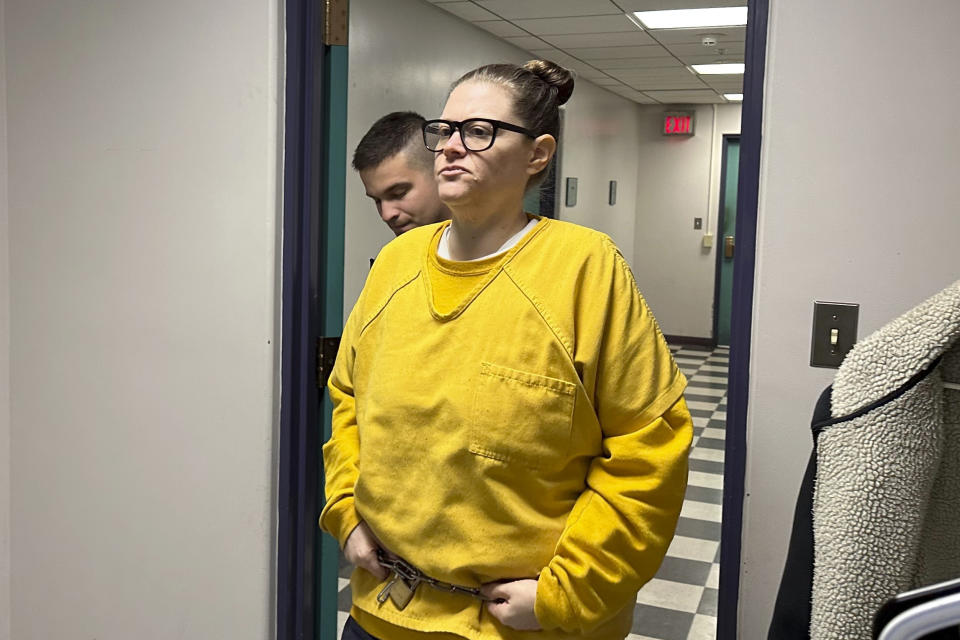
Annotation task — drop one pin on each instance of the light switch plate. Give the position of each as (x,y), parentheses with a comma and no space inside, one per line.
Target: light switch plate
(829,316)
(571,199)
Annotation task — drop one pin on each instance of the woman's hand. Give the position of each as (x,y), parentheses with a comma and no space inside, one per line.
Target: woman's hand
(513,603)
(361,551)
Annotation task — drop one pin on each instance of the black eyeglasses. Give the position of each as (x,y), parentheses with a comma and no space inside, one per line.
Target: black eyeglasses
(477,134)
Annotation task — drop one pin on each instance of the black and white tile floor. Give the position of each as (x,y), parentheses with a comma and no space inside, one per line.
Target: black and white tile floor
(680,603)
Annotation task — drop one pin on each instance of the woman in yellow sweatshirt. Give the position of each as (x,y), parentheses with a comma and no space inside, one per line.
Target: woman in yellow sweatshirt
(509,448)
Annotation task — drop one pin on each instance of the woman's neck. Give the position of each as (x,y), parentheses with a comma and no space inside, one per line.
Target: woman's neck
(475,236)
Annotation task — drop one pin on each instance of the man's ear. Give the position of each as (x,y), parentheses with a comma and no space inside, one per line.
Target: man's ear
(543,149)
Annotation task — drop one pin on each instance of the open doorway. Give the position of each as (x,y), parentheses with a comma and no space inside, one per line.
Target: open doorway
(305,560)
(726,235)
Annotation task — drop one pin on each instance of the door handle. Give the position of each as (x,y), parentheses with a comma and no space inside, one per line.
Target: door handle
(728,246)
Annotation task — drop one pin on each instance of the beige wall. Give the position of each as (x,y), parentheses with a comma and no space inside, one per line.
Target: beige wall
(678,180)
(600,145)
(4,351)
(143,219)
(405,53)
(858,203)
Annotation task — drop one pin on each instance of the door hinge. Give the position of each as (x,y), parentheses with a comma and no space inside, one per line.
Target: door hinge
(326,356)
(336,23)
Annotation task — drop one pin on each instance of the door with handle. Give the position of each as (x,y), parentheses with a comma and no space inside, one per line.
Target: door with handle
(728,247)
(727,223)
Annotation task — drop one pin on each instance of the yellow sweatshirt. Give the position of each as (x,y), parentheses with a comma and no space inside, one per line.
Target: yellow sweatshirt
(536,429)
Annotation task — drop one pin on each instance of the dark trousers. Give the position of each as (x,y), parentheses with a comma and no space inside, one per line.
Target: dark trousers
(353,631)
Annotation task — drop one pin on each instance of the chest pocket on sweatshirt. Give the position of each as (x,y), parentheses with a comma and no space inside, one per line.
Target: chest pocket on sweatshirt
(523,418)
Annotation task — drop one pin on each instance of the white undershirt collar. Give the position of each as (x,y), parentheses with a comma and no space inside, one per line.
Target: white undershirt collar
(443,249)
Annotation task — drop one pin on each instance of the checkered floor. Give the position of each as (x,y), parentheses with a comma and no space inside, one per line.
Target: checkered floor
(680,603)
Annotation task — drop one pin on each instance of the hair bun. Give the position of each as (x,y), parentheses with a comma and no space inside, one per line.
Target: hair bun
(554,75)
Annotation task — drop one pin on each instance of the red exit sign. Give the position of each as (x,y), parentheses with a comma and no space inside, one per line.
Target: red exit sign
(679,123)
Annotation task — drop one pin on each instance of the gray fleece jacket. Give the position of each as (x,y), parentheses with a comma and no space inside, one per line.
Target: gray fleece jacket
(886,506)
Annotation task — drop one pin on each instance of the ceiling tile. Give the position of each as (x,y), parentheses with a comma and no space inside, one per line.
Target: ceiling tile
(631,94)
(705,96)
(606,82)
(584,40)
(664,85)
(561,58)
(467,11)
(708,59)
(723,78)
(525,42)
(546,51)
(723,90)
(679,74)
(520,9)
(728,50)
(637,63)
(723,35)
(599,78)
(554,55)
(656,5)
(589,24)
(501,28)
(727,84)
(723,81)
(587,72)
(610,53)
(659,83)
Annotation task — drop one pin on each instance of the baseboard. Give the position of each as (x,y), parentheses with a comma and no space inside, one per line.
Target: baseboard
(691,341)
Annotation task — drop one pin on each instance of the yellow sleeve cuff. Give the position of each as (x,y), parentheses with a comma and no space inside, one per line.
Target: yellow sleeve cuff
(339,519)
(552,606)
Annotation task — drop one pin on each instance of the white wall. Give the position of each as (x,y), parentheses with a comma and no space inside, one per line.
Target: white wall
(679,180)
(858,203)
(4,351)
(143,216)
(599,145)
(404,54)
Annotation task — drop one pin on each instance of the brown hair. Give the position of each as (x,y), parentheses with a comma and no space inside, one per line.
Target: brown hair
(400,131)
(539,87)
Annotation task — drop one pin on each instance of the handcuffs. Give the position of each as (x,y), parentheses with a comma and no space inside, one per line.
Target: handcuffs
(405,579)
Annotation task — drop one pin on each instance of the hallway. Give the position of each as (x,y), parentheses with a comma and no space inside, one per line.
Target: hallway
(680,603)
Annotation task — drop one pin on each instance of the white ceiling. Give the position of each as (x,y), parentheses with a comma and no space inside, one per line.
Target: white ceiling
(595,39)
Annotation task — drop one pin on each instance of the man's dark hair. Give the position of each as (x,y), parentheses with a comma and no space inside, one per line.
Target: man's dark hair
(391,134)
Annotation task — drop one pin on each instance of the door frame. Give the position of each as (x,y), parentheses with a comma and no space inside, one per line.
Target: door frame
(741,321)
(721,216)
(298,561)
(303,273)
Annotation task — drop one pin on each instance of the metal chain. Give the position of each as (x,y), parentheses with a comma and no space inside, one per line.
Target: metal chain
(414,576)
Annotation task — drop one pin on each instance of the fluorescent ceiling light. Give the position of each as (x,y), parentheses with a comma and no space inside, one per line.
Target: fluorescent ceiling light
(727,68)
(693,18)
(734,97)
